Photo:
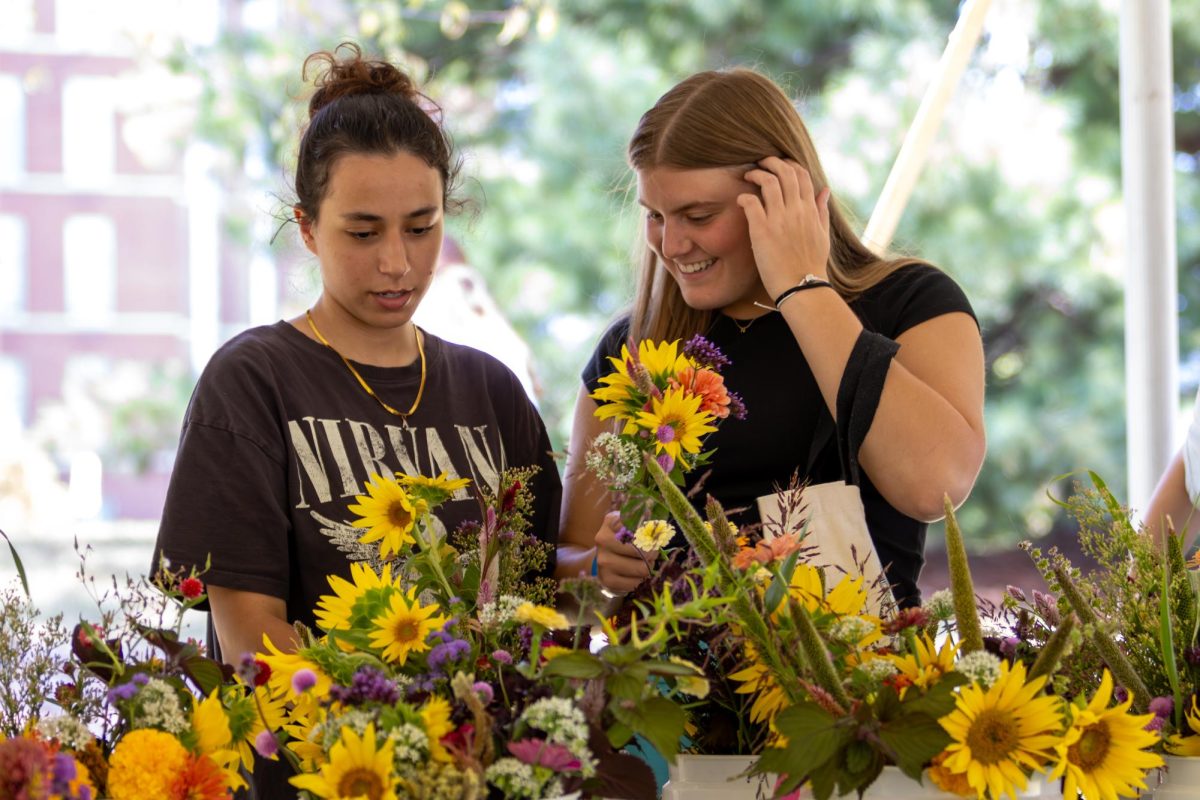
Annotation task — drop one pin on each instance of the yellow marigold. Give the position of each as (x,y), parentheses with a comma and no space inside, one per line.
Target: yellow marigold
(947,781)
(144,765)
(541,616)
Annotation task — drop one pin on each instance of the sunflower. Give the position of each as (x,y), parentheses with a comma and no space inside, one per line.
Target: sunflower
(389,514)
(1103,753)
(1001,733)
(928,664)
(621,396)
(404,627)
(214,737)
(345,607)
(245,721)
(758,680)
(435,715)
(676,423)
(284,667)
(1181,745)
(357,768)
(432,490)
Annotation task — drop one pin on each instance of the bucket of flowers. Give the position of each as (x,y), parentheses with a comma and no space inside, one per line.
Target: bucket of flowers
(121,706)
(444,671)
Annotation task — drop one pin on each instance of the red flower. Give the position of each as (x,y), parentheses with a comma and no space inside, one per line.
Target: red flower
(191,588)
(263,674)
(510,497)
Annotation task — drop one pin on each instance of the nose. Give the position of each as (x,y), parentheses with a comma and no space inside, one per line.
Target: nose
(675,241)
(393,256)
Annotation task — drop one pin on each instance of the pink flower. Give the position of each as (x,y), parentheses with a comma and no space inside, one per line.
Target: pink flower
(266,744)
(191,588)
(303,680)
(540,753)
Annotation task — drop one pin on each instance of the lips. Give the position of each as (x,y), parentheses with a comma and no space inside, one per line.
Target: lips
(393,300)
(695,266)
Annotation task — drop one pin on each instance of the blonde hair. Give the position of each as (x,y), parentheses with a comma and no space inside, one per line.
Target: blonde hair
(729,119)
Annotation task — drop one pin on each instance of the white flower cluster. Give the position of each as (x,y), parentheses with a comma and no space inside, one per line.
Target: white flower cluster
(851,630)
(357,719)
(513,778)
(410,745)
(500,611)
(940,606)
(878,668)
(71,733)
(980,666)
(158,707)
(613,461)
(563,723)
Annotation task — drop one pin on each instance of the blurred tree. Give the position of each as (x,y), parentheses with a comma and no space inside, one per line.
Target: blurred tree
(1019,202)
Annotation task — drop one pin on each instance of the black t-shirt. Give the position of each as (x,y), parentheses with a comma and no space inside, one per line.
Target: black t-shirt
(757,455)
(279,438)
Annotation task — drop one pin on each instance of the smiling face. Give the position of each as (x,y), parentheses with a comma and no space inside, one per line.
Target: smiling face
(377,236)
(700,235)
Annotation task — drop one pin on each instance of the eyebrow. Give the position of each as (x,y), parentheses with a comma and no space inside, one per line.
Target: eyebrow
(365,216)
(685,207)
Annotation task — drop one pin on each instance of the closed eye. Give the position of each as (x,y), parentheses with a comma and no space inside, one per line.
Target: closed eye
(360,235)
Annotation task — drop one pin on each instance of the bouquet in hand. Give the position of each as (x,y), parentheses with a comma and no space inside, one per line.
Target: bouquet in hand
(665,399)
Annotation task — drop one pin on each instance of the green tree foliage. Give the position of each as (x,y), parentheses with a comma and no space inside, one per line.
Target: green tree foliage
(542,95)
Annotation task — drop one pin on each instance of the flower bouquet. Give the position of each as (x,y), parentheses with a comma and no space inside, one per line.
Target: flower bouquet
(119,707)
(444,672)
(847,694)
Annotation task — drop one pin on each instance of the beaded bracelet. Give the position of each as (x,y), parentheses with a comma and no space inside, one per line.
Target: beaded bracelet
(810,282)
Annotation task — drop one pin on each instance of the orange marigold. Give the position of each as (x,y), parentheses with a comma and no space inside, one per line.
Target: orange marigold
(711,388)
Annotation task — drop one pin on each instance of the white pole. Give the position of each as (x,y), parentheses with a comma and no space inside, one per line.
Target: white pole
(1151,304)
(911,159)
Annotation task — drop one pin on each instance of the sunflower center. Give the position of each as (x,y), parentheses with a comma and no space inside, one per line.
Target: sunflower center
(406,630)
(993,736)
(399,516)
(359,782)
(1088,753)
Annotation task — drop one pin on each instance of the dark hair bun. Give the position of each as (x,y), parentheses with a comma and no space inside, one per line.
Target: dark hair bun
(351,74)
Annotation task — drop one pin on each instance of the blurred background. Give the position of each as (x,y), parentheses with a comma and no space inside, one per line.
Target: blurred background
(144,156)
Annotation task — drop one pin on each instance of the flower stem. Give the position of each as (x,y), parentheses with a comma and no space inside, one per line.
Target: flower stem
(962,589)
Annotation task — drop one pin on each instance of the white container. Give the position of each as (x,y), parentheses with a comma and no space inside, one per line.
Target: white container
(1179,781)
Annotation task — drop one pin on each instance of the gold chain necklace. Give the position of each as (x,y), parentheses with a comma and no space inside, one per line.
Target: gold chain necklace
(743,328)
(404,415)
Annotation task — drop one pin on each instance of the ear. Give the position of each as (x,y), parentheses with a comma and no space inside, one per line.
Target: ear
(306,223)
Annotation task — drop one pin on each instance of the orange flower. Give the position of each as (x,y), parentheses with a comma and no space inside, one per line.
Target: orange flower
(711,388)
(201,779)
(765,552)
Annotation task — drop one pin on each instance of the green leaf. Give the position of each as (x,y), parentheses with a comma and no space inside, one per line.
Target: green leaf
(914,740)
(814,737)
(939,700)
(619,734)
(576,664)
(20,566)
(656,719)
(205,673)
(1166,640)
(775,593)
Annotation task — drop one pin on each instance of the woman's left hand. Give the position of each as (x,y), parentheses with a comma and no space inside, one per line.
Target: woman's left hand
(789,224)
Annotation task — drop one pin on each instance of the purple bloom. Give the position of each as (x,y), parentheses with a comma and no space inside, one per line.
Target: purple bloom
(737,406)
(266,744)
(1015,593)
(1162,706)
(485,691)
(540,753)
(447,651)
(1047,607)
(122,691)
(369,685)
(303,680)
(1120,694)
(64,773)
(665,434)
(141,679)
(502,657)
(247,669)
(624,535)
(705,353)
(1156,724)
(1009,645)
(666,462)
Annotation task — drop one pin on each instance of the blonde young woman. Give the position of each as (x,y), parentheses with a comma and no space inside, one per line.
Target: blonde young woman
(852,367)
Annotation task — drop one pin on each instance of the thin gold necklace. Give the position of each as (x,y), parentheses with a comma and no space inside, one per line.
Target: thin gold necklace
(404,415)
(743,328)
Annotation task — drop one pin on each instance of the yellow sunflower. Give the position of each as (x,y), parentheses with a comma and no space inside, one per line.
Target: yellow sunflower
(619,396)
(388,513)
(928,664)
(435,715)
(432,490)
(1180,745)
(245,721)
(284,667)
(214,737)
(1103,753)
(676,423)
(757,679)
(357,769)
(338,610)
(1002,733)
(404,627)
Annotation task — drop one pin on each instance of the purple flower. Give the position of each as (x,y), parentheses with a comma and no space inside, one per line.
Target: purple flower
(303,680)
(1047,607)
(266,744)
(665,434)
(666,462)
(485,691)
(1192,656)
(1120,694)
(122,691)
(540,753)
(1162,706)
(141,679)
(502,657)
(1015,593)
(247,669)
(447,651)
(624,535)
(64,773)
(737,406)
(1156,724)
(705,353)
(369,685)
(1009,645)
